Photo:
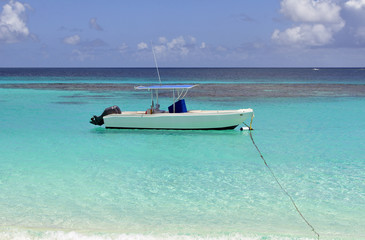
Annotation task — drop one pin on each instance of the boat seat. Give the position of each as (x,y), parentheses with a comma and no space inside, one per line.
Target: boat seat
(180,107)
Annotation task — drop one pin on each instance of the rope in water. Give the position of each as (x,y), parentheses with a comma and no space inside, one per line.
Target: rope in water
(282,188)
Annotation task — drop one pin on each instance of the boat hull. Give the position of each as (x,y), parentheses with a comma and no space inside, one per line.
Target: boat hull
(191,120)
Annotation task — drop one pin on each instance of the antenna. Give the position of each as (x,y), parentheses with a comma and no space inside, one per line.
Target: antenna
(154,56)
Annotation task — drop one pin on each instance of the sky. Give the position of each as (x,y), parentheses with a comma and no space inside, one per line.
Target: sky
(189,33)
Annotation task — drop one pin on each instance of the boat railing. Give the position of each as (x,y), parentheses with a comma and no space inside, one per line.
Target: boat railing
(182,90)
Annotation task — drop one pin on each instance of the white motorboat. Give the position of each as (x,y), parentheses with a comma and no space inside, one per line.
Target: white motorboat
(177,116)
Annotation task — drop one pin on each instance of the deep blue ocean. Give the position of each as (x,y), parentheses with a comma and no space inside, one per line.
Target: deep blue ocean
(184,75)
(63,178)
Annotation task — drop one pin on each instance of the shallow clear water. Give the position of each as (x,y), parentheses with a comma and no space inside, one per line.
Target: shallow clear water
(62,178)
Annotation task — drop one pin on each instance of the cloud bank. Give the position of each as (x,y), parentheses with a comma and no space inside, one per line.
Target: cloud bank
(142,45)
(13,27)
(356,4)
(72,40)
(317,22)
(179,46)
(322,23)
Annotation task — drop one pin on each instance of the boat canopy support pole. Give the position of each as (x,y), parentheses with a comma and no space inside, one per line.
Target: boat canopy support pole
(151,97)
(182,94)
(156,96)
(152,103)
(173,99)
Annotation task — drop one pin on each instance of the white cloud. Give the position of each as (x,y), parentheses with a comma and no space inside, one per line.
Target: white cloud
(13,26)
(123,48)
(162,39)
(176,43)
(355,4)
(142,45)
(72,40)
(94,25)
(318,22)
(354,10)
(175,48)
(304,35)
(309,11)
(179,45)
(159,49)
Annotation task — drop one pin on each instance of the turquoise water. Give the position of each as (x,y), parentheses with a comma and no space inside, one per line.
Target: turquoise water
(63,178)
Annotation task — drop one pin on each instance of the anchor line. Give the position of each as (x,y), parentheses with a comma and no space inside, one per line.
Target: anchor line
(282,188)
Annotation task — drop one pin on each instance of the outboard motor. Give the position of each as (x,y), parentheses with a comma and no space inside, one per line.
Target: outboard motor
(110,110)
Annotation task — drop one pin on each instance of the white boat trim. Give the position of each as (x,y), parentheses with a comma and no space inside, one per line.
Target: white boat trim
(191,120)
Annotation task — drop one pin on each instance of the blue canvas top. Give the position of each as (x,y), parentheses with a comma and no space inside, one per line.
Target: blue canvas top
(157,87)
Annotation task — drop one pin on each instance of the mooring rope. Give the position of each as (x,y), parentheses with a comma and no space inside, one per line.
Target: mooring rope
(282,188)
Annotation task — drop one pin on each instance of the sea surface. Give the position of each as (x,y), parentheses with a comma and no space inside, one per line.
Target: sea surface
(63,178)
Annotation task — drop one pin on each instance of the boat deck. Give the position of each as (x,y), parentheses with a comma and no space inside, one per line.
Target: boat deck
(191,112)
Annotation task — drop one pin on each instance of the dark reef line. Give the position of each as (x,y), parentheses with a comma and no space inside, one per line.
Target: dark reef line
(217,90)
